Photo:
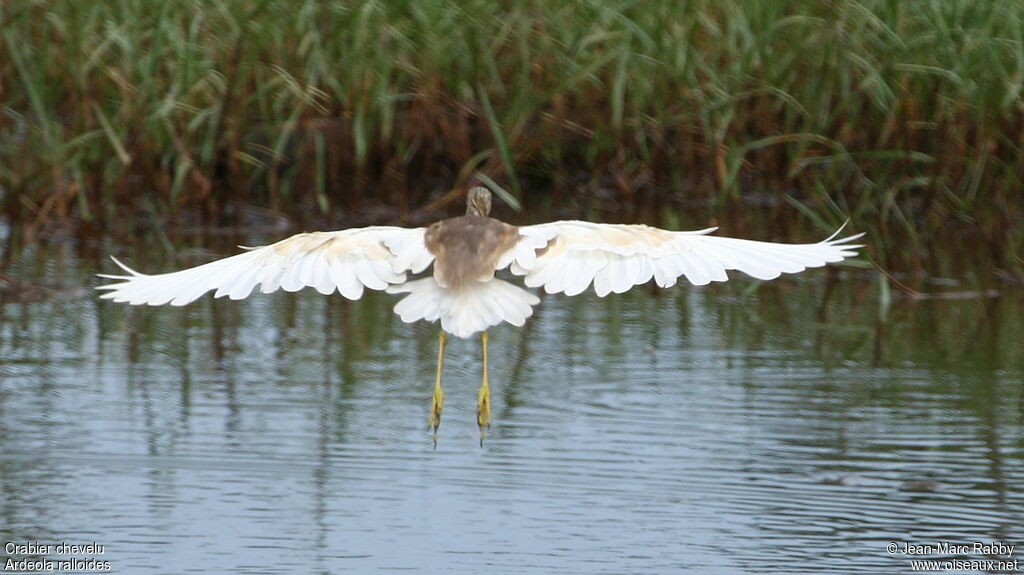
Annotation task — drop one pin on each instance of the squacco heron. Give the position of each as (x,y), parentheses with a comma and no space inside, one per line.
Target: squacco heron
(462,292)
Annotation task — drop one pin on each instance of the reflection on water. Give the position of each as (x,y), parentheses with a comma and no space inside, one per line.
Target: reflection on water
(698,429)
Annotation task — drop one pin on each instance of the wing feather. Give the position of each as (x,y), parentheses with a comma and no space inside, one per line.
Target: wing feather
(570,256)
(621,282)
(410,249)
(346,261)
(666,272)
(244,285)
(272,278)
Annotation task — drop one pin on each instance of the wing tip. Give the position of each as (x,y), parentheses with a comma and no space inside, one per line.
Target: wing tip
(132,274)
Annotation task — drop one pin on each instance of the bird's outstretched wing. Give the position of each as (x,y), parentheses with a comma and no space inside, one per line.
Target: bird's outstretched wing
(346,261)
(616,257)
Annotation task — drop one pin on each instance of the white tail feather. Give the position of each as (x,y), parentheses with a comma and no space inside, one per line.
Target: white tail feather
(466,311)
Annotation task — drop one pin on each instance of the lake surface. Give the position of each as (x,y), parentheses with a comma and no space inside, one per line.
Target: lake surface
(738,428)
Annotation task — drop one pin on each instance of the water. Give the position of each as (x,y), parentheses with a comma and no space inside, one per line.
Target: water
(697,430)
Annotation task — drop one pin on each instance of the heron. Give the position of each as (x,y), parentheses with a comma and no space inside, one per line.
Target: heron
(462,291)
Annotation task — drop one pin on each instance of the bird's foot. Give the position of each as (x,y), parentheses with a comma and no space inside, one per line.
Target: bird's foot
(436,406)
(483,411)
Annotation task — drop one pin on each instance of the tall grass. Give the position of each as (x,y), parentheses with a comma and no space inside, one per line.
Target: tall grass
(903,115)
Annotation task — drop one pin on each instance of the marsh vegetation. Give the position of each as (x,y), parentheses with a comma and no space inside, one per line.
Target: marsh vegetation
(904,117)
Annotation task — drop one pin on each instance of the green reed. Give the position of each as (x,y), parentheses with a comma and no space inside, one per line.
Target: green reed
(905,116)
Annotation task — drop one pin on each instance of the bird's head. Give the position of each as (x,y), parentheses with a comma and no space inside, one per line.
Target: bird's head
(478,201)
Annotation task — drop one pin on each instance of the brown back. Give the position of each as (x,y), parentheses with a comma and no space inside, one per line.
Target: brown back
(467,248)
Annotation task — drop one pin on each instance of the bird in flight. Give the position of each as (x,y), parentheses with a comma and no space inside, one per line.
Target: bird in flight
(461,292)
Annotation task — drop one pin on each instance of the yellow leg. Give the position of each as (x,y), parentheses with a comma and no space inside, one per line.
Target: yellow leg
(437,404)
(483,397)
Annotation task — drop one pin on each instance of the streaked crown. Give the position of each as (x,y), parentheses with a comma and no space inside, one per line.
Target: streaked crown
(478,201)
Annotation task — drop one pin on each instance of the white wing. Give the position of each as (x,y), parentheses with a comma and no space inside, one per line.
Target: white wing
(346,261)
(616,257)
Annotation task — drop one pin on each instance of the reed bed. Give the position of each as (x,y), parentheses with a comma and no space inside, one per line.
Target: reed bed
(904,116)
